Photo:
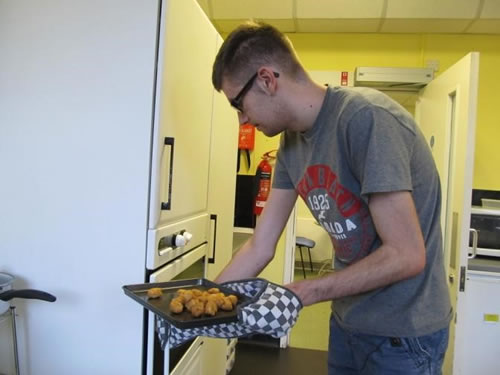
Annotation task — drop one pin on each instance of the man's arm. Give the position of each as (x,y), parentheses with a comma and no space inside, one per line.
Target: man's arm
(401,255)
(259,250)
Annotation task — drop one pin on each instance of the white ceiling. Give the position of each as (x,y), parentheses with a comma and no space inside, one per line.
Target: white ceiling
(367,16)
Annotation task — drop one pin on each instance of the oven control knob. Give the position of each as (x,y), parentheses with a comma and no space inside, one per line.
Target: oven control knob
(187,236)
(179,240)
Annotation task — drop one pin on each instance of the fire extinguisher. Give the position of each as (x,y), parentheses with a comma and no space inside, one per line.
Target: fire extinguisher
(263,182)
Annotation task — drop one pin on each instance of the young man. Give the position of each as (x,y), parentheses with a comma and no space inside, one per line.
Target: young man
(366,173)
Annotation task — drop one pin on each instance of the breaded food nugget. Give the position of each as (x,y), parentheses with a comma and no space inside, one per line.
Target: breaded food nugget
(219,299)
(187,296)
(196,292)
(176,306)
(203,298)
(154,292)
(233,298)
(213,290)
(198,309)
(211,308)
(227,305)
(189,304)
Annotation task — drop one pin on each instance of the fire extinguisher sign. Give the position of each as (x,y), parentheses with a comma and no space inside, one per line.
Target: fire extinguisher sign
(344,78)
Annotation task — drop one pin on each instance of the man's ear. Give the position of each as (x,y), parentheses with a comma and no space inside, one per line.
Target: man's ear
(267,80)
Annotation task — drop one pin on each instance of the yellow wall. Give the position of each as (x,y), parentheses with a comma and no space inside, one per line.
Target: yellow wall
(346,51)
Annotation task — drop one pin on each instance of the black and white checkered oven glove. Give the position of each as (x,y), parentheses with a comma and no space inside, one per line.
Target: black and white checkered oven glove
(272,310)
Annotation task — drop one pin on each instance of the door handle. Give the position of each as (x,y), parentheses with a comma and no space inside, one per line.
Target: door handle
(475,237)
(169,142)
(211,260)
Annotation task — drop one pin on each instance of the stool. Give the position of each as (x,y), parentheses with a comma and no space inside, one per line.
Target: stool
(301,242)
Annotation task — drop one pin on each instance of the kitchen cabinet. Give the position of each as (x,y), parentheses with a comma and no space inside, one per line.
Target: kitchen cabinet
(183,112)
(105,149)
(221,189)
(480,320)
(192,364)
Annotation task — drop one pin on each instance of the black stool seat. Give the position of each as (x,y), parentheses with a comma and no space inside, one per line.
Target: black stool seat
(309,244)
(306,242)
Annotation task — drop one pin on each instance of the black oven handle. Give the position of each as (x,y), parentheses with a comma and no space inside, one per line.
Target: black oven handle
(169,142)
(213,217)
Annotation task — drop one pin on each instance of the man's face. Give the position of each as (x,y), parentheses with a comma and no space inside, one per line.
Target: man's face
(254,102)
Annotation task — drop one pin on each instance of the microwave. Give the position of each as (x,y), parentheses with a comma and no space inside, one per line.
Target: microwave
(484,236)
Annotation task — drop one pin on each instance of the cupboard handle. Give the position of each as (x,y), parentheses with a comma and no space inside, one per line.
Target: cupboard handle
(169,142)
(212,259)
(474,243)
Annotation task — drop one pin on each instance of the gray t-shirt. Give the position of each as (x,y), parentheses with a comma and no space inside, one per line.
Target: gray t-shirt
(363,142)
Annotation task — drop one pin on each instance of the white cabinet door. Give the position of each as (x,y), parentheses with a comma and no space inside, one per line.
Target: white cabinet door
(446,113)
(481,324)
(222,182)
(191,362)
(221,194)
(183,112)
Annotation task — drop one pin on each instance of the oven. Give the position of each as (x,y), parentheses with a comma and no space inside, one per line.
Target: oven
(185,359)
(176,250)
(484,236)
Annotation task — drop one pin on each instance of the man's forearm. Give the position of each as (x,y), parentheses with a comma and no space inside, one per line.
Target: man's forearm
(384,266)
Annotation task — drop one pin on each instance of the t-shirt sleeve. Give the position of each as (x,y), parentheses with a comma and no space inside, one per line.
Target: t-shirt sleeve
(380,148)
(281,178)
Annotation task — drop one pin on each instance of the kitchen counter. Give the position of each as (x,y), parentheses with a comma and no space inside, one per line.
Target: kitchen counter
(485,264)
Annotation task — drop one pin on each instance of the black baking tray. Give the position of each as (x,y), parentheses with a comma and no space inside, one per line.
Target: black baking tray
(160,306)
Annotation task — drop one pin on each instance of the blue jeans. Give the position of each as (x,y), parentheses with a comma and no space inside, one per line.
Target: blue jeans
(352,353)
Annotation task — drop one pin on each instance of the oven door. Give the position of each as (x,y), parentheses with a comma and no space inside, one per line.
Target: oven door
(186,359)
(486,228)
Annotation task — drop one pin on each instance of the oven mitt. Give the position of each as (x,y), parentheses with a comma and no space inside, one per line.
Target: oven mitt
(272,310)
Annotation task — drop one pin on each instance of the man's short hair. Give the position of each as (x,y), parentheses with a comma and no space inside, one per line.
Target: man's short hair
(250,46)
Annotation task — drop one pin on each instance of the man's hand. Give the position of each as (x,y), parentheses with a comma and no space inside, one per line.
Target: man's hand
(304,291)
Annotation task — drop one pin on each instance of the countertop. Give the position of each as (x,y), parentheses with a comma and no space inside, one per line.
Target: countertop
(485,264)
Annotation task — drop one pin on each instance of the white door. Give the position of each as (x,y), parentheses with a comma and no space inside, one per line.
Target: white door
(446,113)
(183,112)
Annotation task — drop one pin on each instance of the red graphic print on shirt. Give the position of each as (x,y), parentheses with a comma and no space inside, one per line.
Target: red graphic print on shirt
(341,213)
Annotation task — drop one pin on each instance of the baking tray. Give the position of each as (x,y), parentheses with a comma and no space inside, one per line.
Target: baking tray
(160,306)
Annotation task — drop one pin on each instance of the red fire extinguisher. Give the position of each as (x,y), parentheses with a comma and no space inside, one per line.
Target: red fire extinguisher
(263,182)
